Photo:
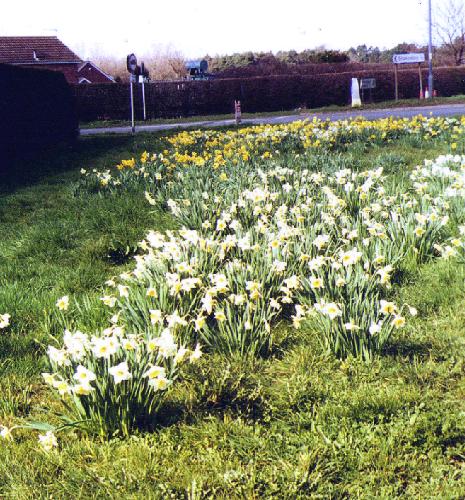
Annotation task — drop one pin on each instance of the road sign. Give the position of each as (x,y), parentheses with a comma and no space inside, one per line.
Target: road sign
(131,63)
(408,58)
(412,58)
(368,83)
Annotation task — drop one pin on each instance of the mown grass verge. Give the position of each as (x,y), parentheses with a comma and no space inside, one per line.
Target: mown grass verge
(296,424)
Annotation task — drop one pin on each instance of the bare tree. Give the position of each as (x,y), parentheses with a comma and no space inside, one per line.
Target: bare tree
(449,26)
(164,63)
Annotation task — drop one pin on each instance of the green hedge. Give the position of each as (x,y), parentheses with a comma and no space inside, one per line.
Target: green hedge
(271,93)
(37,110)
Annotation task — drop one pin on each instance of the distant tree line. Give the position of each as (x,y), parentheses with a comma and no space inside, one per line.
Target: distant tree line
(289,57)
(249,64)
(445,54)
(368,54)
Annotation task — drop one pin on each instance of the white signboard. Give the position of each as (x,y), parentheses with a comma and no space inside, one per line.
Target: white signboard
(367,83)
(408,58)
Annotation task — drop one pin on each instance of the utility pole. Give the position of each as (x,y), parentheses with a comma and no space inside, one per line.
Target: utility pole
(430,52)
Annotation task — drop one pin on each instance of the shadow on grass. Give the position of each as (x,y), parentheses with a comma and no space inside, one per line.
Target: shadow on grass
(170,413)
(406,348)
(87,152)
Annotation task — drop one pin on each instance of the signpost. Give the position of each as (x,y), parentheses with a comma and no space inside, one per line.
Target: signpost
(367,84)
(408,58)
(411,58)
(131,64)
(430,52)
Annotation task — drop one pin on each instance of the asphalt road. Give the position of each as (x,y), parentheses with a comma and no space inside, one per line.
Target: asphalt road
(370,114)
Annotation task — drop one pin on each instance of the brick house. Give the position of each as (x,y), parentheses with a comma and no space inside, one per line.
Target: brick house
(48,52)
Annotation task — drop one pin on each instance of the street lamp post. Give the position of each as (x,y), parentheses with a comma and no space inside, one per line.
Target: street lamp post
(430,52)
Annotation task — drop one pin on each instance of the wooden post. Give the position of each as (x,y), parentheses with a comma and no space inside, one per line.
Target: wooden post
(396,83)
(421,81)
(237,112)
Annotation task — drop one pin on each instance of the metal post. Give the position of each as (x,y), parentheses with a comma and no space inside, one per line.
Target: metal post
(421,80)
(430,52)
(132,105)
(396,80)
(143,96)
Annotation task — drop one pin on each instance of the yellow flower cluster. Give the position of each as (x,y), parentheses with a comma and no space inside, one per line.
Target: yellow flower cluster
(218,148)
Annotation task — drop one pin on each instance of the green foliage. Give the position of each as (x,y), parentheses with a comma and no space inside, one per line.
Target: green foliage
(290,57)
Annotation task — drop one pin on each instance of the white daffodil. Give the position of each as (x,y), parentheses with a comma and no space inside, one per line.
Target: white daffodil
(120,372)
(155,372)
(166,345)
(160,383)
(48,441)
(84,375)
(63,303)
(4,320)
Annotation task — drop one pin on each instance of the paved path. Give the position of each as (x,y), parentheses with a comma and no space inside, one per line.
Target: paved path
(370,114)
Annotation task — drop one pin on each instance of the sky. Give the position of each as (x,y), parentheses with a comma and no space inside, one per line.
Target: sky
(199,27)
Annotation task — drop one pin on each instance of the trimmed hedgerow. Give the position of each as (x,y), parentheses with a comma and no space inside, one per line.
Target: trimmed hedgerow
(269,93)
(37,109)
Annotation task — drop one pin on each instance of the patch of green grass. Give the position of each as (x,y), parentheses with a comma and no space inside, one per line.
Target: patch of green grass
(299,424)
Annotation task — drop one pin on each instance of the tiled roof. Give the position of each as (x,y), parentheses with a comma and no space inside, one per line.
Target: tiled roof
(22,49)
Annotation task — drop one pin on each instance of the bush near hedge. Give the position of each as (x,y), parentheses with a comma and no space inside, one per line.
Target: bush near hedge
(271,93)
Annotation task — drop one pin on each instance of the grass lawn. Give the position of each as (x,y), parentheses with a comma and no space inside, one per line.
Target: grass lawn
(296,423)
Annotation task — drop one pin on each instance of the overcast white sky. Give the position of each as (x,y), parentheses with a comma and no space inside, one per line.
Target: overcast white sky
(198,27)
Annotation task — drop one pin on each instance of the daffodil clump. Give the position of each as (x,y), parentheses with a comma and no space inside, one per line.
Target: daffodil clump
(261,244)
(263,143)
(115,381)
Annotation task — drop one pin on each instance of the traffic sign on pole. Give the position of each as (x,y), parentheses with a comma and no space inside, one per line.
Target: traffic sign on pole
(408,58)
(131,63)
